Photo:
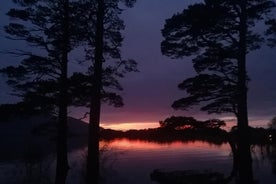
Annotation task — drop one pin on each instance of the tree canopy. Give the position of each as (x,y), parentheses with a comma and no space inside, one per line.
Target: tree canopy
(271,32)
(36,79)
(210,33)
(182,122)
(218,35)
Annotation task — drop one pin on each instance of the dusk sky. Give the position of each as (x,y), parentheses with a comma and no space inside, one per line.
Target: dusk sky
(148,95)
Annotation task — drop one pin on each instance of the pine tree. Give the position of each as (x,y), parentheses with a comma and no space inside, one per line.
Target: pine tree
(102,36)
(41,77)
(218,33)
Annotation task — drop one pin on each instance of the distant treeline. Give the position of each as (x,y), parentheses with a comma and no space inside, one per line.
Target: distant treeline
(217,136)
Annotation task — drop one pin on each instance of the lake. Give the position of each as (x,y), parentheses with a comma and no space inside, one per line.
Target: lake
(132,161)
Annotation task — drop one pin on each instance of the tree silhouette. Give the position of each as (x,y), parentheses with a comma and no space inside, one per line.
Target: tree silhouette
(101,32)
(41,78)
(210,31)
(272,123)
(219,34)
(177,122)
(218,91)
(182,122)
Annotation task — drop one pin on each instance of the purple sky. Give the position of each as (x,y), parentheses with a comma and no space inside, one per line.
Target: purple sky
(149,94)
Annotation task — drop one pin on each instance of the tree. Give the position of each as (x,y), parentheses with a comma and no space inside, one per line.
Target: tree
(41,77)
(182,122)
(272,123)
(226,27)
(211,31)
(216,90)
(212,123)
(103,40)
(178,122)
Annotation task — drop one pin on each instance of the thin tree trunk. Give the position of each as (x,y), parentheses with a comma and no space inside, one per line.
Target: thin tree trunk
(62,160)
(95,103)
(244,154)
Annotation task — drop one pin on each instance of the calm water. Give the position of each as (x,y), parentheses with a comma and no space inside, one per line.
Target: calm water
(138,159)
(132,162)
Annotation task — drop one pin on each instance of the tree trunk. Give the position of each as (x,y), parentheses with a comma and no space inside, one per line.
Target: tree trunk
(232,143)
(62,160)
(93,165)
(244,154)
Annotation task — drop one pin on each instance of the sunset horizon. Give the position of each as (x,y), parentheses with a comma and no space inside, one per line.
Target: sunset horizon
(138,92)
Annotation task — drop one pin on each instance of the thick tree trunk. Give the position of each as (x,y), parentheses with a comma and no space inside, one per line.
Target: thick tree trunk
(232,143)
(62,160)
(244,154)
(93,165)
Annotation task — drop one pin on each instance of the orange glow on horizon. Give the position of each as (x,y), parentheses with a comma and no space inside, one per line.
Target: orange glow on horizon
(129,126)
(127,123)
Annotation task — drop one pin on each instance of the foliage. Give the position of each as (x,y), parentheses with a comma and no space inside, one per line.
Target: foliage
(46,26)
(210,32)
(36,79)
(114,66)
(182,122)
(102,38)
(41,75)
(216,90)
(271,32)
(272,123)
(177,122)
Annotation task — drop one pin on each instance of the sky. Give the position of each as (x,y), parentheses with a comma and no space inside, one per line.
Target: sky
(148,95)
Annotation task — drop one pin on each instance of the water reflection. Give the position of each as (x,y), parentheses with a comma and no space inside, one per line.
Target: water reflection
(127,161)
(270,153)
(140,158)
(176,145)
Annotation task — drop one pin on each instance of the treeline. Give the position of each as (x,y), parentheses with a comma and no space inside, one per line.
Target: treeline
(180,128)
(258,136)
(162,135)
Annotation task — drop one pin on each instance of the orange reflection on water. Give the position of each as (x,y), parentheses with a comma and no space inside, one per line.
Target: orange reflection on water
(130,144)
(126,144)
